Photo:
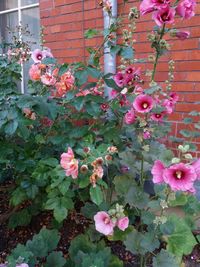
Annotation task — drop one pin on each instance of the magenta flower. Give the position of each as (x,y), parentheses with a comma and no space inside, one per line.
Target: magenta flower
(185,9)
(146,135)
(69,163)
(180,177)
(122,223)
(169,106)
(157,172)
(119,79)
(103,223)
(130,117)
(143,103)
(158,116)
(37,55)
(164,16)
(196,166)
(173,97)
(182,35)
(148,6)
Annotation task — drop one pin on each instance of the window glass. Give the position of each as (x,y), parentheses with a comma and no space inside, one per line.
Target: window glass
(28,2)
(8,4)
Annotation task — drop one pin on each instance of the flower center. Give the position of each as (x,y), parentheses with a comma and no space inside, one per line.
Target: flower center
(179,174)
(107,221)
(145,105)
(158,116)
(39,57)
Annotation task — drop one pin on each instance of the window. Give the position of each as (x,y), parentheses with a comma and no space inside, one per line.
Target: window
(20,12)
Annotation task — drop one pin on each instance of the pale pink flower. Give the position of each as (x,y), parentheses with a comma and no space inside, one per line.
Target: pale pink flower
(164,16)
(148,6)
(37,55)
(182,35)
(47,53)
(103,223)
(35,72)
(157,172)
(83,93)
(98,171)
(130,117)
(185,9)
(69,163)
(143,103)
(158,116)
(122,223)
(22,265)
(138,90)
(68,80)
(48,79)
(196,166)
(119,79)
(180,177)
(146,135)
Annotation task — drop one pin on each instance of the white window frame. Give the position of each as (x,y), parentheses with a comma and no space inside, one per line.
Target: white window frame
(19,9)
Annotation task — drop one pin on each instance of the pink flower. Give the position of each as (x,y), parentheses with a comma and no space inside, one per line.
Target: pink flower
(69,163)
(122,223)
(113,94)
(138,90)
(46,122)
(47,52)
(173,97)
(22,265)
(185,9)
(67,79)
(146,135)
(180,177)
(196,166)
(182,35)
(119,79)
(158,116)
(35,72)
(157,172)
(164,15)
(130,117)
(143,103)
(83,93)
(169,105)
(37,55)
(148,6)
(48,79)
(103,223)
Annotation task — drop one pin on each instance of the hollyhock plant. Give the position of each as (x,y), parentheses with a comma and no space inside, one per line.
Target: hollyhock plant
(158,116)
(180,177)
(119,79)
(164,16)
(35,72)
(157,172)
(185,9)
(143,103)
(130,117)
(69,163)
(169,106)
(173,97)
(103,223)
(48,79)
(123,223)
(146,135)
(37,55)
(182,35)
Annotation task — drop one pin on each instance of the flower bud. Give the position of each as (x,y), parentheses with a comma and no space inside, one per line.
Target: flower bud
(175,160)
(84,168)
(108,157)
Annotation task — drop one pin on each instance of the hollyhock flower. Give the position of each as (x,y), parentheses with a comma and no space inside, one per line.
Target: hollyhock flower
(55,72)
(129,80)
(164,15)
(148,6)
(130,117)
(113,94)
(37,55)
(83,93)
(47,53)
(69,163)
(95,91)
(143,103)
(46,122)
(122,223)
(169,105)
(68,80)
(124,169)
(173,97)
(138,90)
(157,172)
(48,79)
(98,170)
(158,116)
(22,265)
(185,9)
(119,79)
(104,106)
(35,72)
(196,166)
(182,35)
(180,177)
(103,223)
(146,135)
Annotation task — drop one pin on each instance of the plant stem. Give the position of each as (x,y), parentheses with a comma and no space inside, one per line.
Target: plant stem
(157,52)
(142,172)
(142,261)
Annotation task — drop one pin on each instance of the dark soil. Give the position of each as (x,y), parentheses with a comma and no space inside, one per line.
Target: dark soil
(73,226)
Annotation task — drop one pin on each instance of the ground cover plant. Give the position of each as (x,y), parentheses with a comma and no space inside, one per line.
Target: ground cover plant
(70,146)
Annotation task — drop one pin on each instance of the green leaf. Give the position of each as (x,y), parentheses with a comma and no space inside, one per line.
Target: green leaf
(186,133)
(20,218)
(89,210)
(182,241)
(181,199)
(93,109)
(90,33)
(55,259)
(127,52)
(122,184)
(63,69)
(95,73)
(11,127)
(165,259)
(136,197)
(188,120)
(115,262)
(79,102)
(60,214)
(19,251)
(96,195)
(49,60)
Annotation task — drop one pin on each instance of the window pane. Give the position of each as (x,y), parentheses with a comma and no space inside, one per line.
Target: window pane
(8,4)
(30,17)
(29,2)
(9,20)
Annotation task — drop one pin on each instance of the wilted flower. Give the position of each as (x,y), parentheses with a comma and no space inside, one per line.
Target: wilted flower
(185,9)
(112,149)
(35,72)
(69,163)
(84,168)
(164,16)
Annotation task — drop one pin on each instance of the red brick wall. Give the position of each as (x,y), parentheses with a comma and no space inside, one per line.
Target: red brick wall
(65,22)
